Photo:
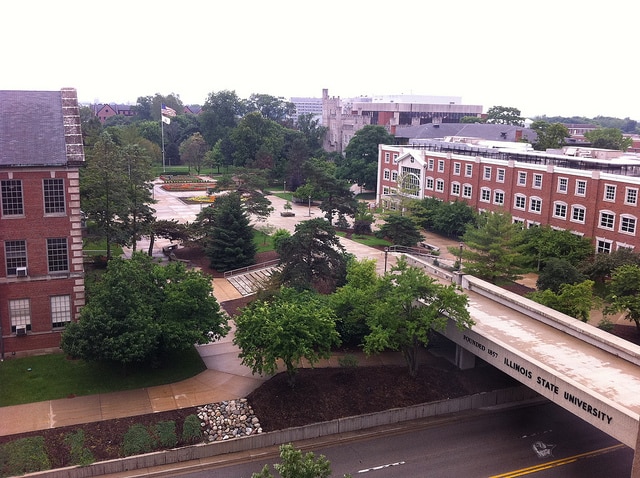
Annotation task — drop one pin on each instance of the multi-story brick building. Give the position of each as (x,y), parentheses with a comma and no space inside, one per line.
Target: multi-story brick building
(41,269)
(589,192)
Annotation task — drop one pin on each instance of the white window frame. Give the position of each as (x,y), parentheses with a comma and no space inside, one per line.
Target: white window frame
(486,173)
(430,164)
(20,314)
(535,205)
(440,185)
(609,214)
(522,178)
(609,193)
(628,218)
(387,175)
(578,210)
(603,246)
(520,202)
(485,195)
(429,183)
(467,191)
(631,196)
(455,188)
(468,170)
(60,311)
(581,184)
(441,165)
(498,193)
(560,204)
(537,181)
(500,175)
(457,168)
(387,157)
(563,185)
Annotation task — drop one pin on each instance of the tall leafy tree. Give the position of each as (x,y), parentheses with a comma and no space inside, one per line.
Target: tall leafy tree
(313,131)
(556,273)
(599,267)
(274,108)
(608,138)
(288,327)
(193,151)
(312,257)
(409,305)
(220,114)
(258,142)
(549,135)
(504,115)
(336,195)
(624,293)
(401,230)
(452,218)
(360,165)
(103,188)
(576,300)
(540,244)
(229,241)
(490,251)
(140,312)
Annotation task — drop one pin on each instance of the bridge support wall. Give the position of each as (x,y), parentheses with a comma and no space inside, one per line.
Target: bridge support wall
(464,359)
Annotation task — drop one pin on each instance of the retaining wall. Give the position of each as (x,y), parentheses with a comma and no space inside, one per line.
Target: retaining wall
(293,435)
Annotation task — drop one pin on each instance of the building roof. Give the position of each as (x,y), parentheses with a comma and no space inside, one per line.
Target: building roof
(492,132)
(32,131)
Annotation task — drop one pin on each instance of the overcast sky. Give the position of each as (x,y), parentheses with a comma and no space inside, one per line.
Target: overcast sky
(559,57)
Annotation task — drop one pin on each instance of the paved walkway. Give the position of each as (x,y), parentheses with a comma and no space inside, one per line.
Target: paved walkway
(224,379)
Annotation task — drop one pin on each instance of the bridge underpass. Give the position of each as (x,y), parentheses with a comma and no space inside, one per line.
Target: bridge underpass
(583,369)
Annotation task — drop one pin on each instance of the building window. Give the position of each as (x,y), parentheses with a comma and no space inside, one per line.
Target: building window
(54,196)
(628,224)
(57,255)
(15,253)
(500,175)
(487,173)
(578,214)
(609,192)
(603,247)
(441,166)
(456,169)
(520,202)
(387,174)
(430,164)
(631,196)
(537,181)
(522,178)
(563,184)
(385,190)
(581,188)
(468,170)
(485,195)
(12,197)
(607,219)
(535,205)
(440,185)
(20,314)
(394,176)
(560,210)
(60,311)
(429,183)
(387,157)
(498,197)
(455,189)
(466,191)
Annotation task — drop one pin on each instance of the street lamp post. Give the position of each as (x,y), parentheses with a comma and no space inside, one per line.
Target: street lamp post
(460,259)
(309,205)
(386,252)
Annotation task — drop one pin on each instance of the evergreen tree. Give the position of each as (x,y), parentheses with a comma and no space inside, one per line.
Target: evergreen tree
(229,241)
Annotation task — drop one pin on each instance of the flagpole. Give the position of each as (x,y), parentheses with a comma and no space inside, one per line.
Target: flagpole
(164,169)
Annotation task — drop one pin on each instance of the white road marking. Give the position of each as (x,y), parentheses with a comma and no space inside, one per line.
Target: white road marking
(375,468)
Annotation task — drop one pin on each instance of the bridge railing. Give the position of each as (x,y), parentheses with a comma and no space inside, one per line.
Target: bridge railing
(253,267)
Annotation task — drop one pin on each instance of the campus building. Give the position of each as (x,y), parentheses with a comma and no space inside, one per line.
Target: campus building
(41,269)
(590,192)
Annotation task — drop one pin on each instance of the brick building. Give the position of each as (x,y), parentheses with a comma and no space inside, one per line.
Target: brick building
(589,192)
(41,272)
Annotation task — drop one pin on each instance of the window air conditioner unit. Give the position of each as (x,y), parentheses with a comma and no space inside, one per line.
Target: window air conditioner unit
(21,271)
(21,330)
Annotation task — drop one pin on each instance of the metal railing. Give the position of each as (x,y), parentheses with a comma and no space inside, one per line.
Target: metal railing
(254,267)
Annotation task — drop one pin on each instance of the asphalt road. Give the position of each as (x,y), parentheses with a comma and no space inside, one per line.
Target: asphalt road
(539,440)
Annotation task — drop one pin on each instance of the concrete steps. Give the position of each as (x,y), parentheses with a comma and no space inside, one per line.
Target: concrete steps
(249,283)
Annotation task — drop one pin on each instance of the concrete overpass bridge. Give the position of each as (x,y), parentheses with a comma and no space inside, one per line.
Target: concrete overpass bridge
(585,370)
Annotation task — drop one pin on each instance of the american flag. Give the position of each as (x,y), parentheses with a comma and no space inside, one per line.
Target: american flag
(166,111)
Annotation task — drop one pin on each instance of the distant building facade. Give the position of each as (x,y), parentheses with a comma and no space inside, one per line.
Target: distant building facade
(306,106)
(590,192)
(343,118)
(41,268)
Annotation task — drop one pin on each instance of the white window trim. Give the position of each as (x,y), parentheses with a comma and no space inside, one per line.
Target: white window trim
(585,188)
(515,202)
(611,213)
(535,198)
(615,191)
(626,196)
(482,191)
(566,189)
(628,216)
(578,206)
(566,209)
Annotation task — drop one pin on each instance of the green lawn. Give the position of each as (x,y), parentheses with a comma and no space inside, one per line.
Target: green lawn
(99,248)
(262,242)
(371,241)
(49,377)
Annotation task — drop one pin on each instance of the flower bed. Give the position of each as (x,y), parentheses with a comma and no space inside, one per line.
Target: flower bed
(168,178)
(186,186)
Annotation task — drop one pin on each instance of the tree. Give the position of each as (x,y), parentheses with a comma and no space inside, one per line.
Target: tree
(624,293)
(576,300)
(352,302)
(289,327)
(140,312)
(504,115)
(296,465)
(600,266)
(220,114)
(540,244)
(274,108)
(556,273)
(452,218)
(312,258)
(490,251)
(193,151)
(409,306)
(168,229)
(608,138)
(400,230)
(258,142)
(360,165)
(471,119)
(103,188)
(229,241)
(313,131)
(550,135)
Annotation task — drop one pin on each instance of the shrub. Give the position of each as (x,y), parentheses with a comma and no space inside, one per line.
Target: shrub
(79,454)
(191,430)
(165,434)
(25,455)
(606,324)
(137,440)
(348,361)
